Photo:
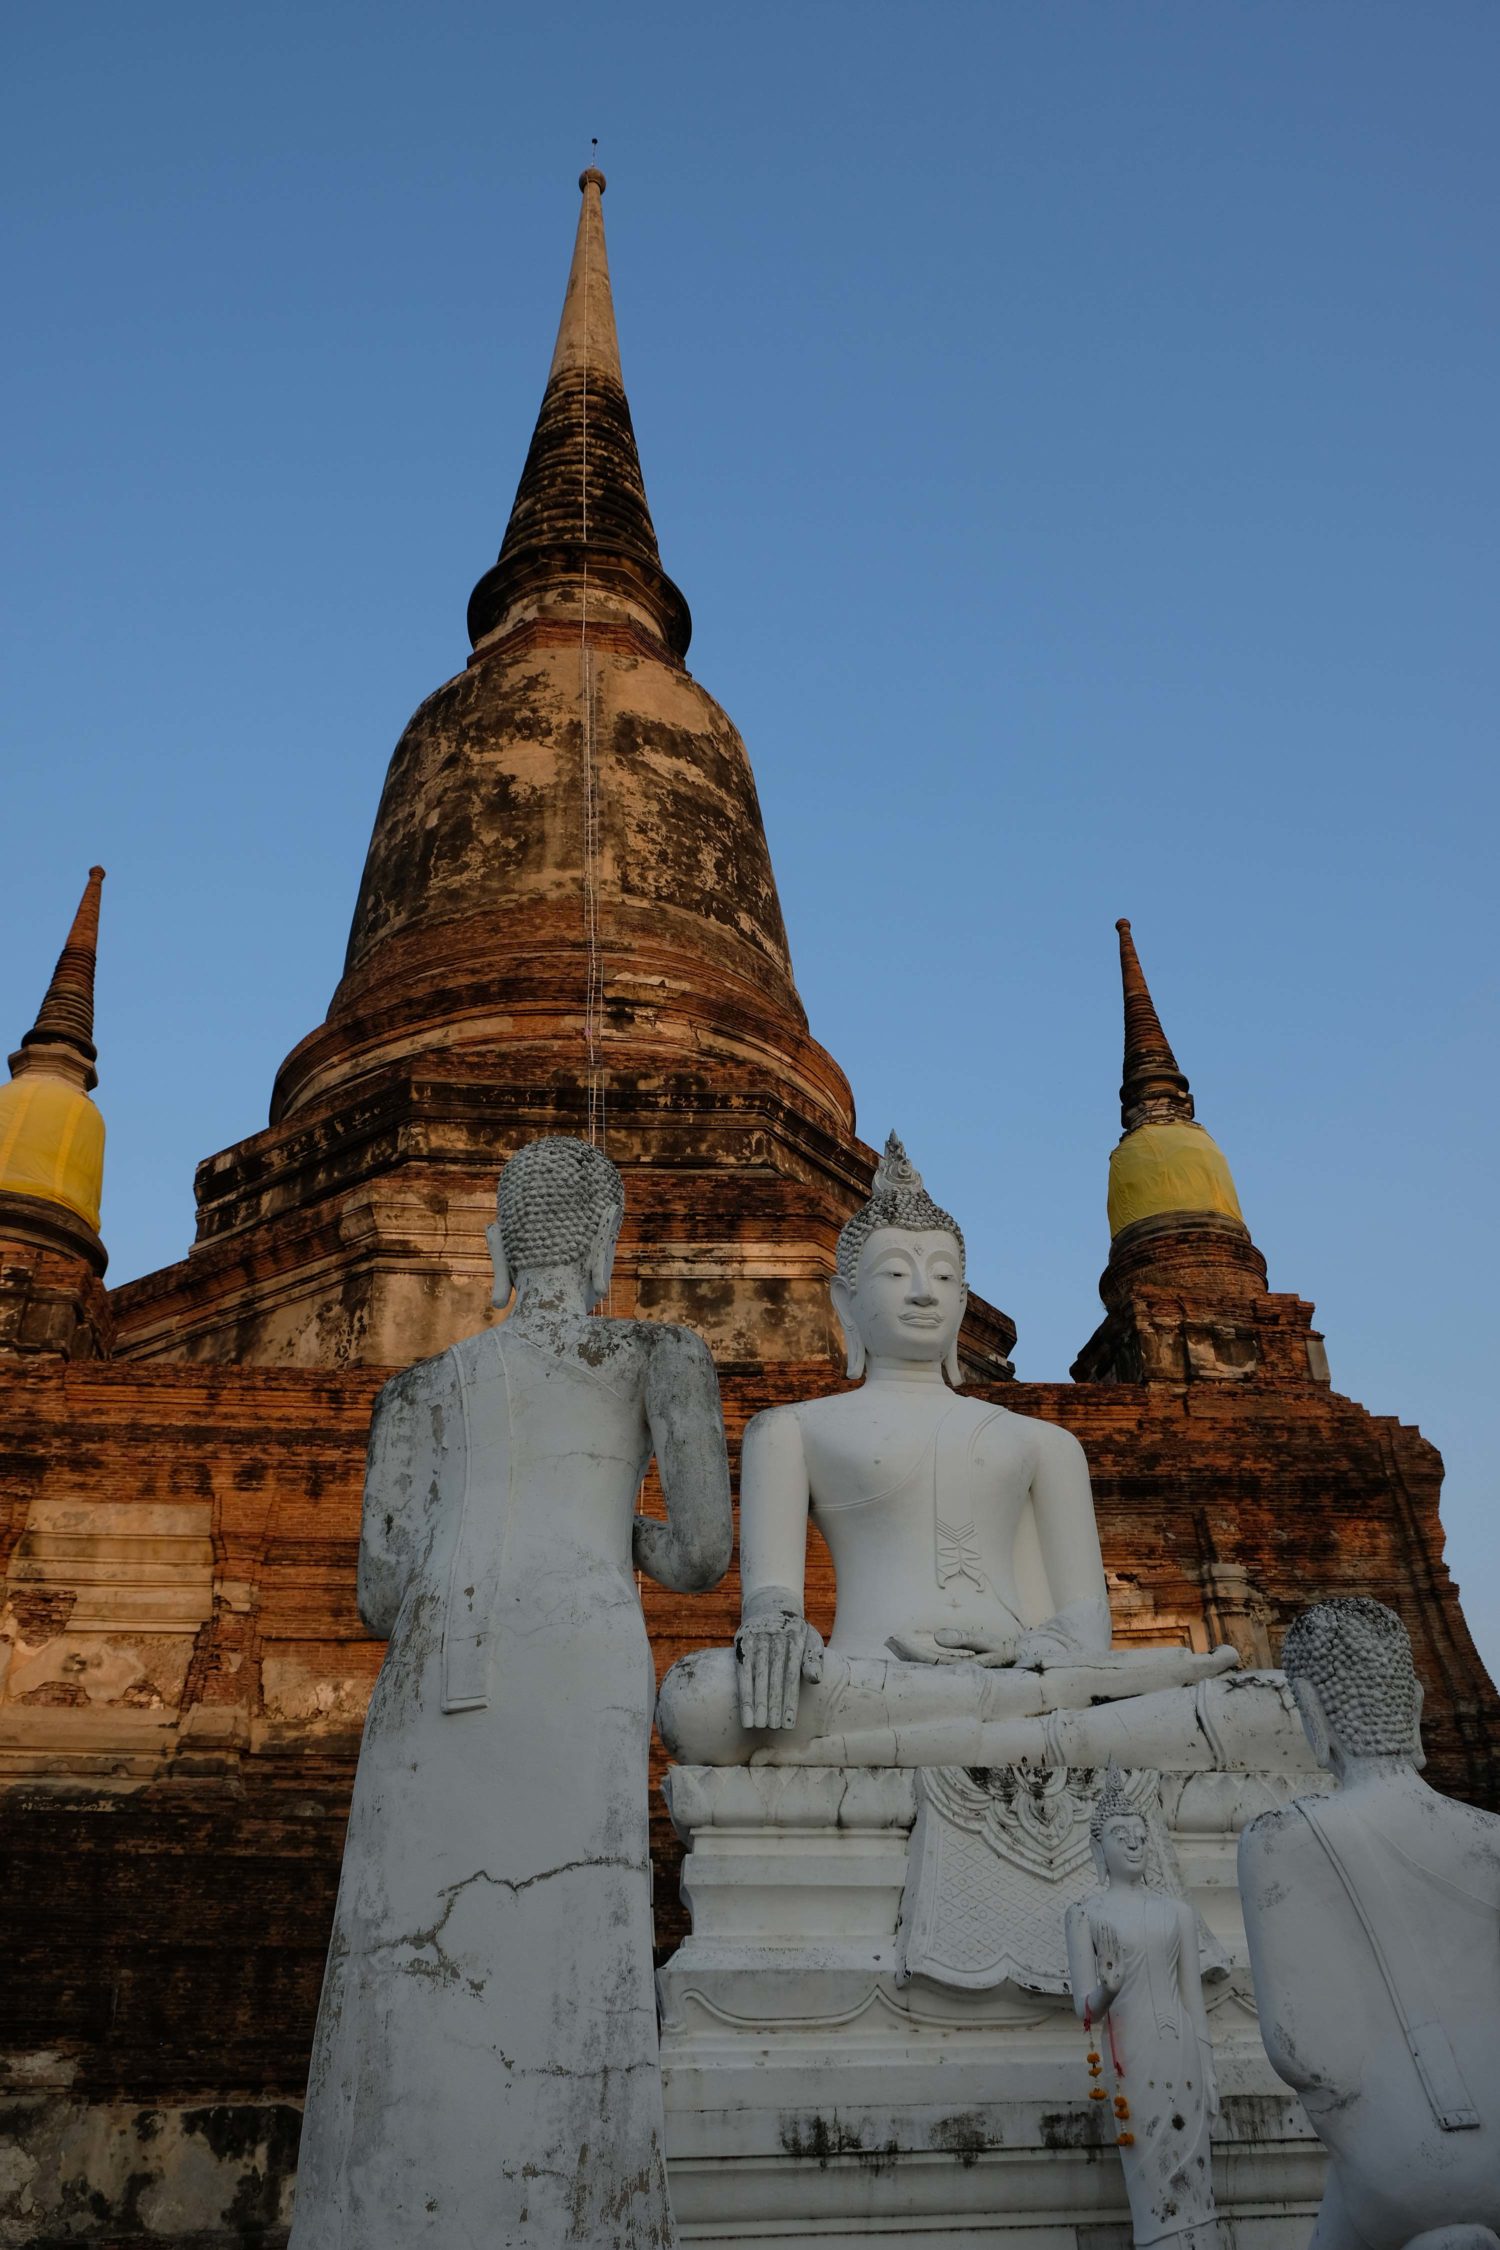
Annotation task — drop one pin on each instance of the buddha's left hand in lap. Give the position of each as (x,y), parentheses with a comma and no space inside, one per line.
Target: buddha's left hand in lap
(1035,1650)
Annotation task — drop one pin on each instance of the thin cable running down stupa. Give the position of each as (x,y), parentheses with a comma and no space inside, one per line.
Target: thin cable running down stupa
(593,972)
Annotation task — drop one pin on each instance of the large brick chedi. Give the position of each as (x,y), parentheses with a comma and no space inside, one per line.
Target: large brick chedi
(568,921)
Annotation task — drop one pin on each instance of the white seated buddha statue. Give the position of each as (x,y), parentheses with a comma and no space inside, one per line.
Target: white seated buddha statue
(972,1624)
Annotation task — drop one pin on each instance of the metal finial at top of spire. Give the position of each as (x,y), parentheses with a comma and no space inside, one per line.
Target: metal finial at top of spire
(1152,1085)
(63,1033)
(580,510)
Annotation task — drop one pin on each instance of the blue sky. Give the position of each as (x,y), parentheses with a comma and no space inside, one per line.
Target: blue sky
(1073,427)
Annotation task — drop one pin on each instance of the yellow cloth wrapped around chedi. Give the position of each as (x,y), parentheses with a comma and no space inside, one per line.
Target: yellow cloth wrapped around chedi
(1171,1166)
(51,1135)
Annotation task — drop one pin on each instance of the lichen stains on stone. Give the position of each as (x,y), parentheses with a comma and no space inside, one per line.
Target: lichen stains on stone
(965,2135)
(824,2139)
(1072,2129)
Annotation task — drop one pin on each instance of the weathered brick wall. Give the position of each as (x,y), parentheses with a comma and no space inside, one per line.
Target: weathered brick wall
(184,1677)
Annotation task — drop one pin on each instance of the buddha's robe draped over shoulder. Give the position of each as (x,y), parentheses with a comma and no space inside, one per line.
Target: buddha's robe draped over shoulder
(485,2067)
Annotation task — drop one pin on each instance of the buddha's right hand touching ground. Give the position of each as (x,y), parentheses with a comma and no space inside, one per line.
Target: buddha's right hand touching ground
(777,1650)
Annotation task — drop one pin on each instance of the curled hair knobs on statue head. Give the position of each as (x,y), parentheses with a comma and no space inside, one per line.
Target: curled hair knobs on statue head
(553,1198)
(897,1199)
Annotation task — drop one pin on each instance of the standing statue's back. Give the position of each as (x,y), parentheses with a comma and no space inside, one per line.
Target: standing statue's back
(485,2066)
(1373,1917)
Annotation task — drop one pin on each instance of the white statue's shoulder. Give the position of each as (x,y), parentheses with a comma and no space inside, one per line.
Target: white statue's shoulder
(1281,1834)
(667,1345)
(1046,1445)
(670,1358)
(669,1337)
(428,1379)
(1053,1443)
(782,1425)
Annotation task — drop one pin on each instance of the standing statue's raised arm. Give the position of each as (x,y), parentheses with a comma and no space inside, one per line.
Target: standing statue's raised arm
(690,1551)
(416,1420)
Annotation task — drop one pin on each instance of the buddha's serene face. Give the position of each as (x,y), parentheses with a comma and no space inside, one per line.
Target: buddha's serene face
(1123,1845)
(908,1295)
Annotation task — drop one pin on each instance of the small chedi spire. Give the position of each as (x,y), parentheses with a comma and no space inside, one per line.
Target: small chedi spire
(1152,1084)
(62,1038)
(1165,1162)
(52,1165)
(580,541)
(1184,1291)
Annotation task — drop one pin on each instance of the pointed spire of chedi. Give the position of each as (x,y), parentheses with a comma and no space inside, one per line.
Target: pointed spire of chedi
(51,1135)
(1166,1161)
(1184,1290)
(580,538)
(1152,1084)
(52,1166)
(63,1035)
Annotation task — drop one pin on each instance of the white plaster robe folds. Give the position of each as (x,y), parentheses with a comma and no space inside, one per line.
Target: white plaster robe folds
(486,2067)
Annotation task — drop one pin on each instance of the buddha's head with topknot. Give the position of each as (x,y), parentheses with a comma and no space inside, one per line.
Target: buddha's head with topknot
(1118,1833)
(898,1287)
(558,1208)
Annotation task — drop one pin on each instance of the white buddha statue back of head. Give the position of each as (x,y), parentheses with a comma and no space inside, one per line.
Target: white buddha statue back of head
(1350,1668)
(558,1208)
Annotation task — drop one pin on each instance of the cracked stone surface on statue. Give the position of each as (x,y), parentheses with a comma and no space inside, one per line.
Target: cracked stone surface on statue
(1373,1917)
(486,2065)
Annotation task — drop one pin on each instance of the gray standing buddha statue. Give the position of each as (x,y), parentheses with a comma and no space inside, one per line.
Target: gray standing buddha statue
(485,2068)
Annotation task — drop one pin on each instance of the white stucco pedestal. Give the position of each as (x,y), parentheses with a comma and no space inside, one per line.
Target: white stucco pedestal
(817,2088)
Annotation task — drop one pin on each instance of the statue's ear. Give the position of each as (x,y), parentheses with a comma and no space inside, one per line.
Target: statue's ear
(951,1368)
(1315,1724)
(1418,1754)
(854,1343)
(602,1259)
(503,1281)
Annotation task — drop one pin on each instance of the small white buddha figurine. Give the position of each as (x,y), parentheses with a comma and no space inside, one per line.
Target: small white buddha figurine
(1374,1924)
(485,2068)
(1133,1966)
(972,1624)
